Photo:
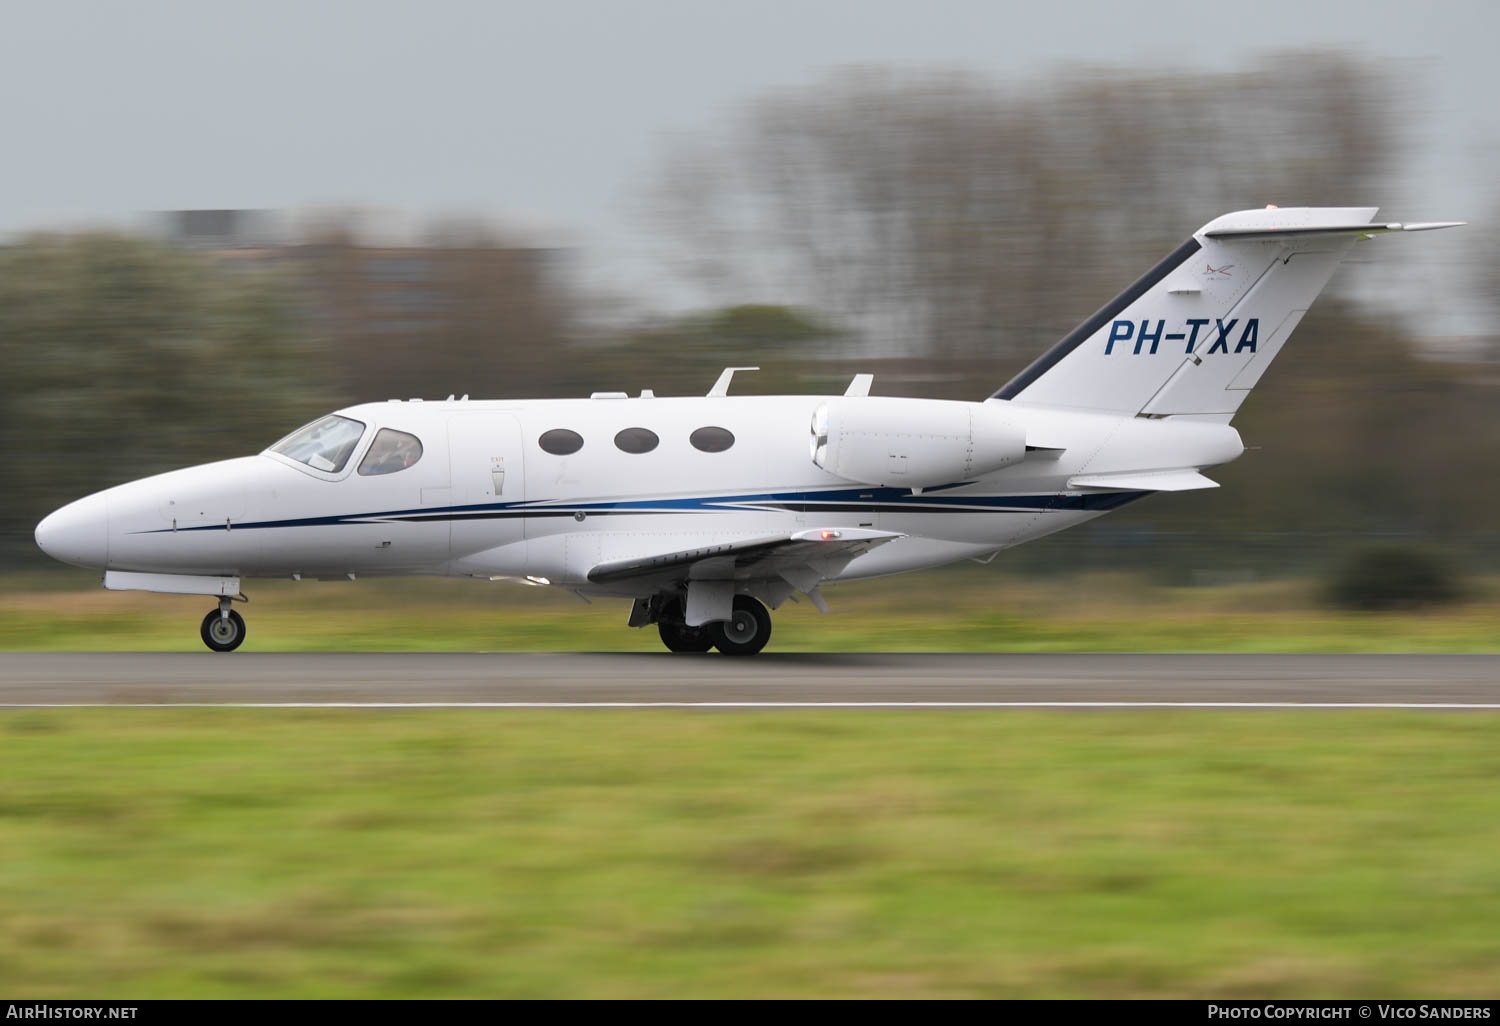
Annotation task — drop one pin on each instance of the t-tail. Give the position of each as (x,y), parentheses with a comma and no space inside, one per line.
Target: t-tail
(1194,334)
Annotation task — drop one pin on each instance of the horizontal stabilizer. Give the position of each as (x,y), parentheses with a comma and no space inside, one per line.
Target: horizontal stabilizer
(1313,231)
(1147,481)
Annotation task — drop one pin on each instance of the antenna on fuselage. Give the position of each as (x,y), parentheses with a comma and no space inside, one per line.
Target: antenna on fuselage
(860,386)
(721,387)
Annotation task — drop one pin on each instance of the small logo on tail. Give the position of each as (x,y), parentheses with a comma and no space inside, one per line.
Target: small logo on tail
(1218,273)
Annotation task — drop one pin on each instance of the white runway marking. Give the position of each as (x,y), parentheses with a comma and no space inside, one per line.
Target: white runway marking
(751,705)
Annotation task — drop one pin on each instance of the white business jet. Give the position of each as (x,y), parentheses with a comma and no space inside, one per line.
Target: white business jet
(707,511)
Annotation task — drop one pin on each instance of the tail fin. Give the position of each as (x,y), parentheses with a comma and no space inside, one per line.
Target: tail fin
(1195,333)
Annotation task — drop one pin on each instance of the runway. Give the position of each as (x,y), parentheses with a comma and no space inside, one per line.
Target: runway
(502,680)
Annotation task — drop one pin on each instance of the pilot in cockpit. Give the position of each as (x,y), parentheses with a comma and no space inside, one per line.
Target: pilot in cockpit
(391,451)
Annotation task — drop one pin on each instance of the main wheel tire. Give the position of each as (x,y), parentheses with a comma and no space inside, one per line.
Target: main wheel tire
(681,638)
(746,631)
(223,634)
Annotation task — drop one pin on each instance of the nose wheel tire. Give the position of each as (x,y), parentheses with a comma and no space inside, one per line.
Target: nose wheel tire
(223,634)
(746,631)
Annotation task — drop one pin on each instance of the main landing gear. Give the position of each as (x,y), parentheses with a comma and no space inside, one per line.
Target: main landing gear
(745,632)
(223,629)
(679,637)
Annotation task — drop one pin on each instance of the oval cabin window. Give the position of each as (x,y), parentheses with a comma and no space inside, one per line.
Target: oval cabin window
(711,439)
(560,442)
(636,440)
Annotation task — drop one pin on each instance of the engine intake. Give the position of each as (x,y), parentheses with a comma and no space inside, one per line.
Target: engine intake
(913,443)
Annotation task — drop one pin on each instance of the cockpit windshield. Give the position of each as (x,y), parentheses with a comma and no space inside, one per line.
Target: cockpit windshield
(324,444)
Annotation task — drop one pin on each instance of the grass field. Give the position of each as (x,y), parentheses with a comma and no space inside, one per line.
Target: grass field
(238,853)
(243,853)
(970,609)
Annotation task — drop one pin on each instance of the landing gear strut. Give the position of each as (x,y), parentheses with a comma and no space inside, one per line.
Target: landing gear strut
(223,629)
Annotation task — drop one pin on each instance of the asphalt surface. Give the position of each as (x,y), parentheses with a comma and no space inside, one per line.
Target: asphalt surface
(518,678)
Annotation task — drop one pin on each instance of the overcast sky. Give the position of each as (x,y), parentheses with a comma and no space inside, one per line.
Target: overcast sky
(551,113)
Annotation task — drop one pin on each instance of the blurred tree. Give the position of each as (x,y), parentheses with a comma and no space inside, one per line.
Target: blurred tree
(753,327)
(683,355)
(1351,434)
(1355,432)
(124,357)
(937,212)
(1387,576)
(943,218)
(465,312)
(1486,276)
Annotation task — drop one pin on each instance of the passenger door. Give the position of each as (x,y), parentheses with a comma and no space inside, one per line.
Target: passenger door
(485,463)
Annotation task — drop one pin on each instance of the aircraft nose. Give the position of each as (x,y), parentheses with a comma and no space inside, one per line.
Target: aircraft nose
(78,533)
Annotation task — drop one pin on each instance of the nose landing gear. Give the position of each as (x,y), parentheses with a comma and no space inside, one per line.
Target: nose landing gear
(223,629)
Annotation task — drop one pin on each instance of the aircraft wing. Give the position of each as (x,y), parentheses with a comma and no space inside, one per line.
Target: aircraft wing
(802,559)
(1145,481)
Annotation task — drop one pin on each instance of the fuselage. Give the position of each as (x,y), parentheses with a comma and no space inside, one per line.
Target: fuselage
(485,498)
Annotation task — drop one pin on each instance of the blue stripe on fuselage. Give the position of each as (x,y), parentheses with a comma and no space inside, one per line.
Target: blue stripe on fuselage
(849,499)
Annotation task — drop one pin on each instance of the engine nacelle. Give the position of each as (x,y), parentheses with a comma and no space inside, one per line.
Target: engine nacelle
(913,443)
